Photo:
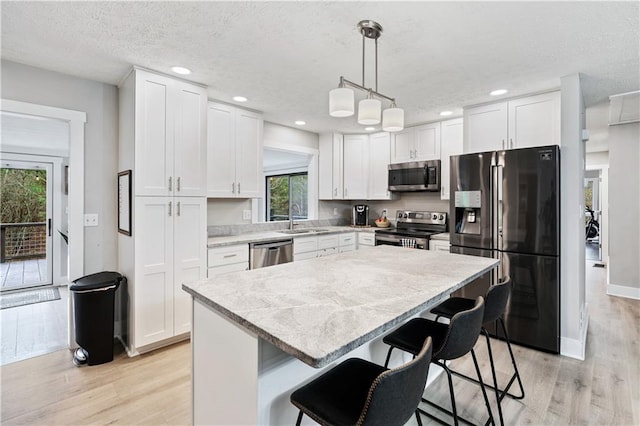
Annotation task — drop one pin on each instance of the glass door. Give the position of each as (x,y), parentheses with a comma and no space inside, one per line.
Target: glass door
(26,208)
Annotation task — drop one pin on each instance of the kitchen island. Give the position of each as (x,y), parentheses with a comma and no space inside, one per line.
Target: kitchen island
(257,335)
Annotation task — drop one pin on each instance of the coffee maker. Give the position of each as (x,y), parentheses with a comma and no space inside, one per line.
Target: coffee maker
(360,215)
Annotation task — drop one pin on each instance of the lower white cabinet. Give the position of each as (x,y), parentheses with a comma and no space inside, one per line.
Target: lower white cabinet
(347,242)
(366,240)
(309,247)
(233,258)
(439,245)
(169,236)
(305,248)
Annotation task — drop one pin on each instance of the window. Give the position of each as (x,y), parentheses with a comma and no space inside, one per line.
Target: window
(287,193)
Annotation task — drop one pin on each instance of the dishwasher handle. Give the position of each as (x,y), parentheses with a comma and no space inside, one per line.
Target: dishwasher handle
(271,244)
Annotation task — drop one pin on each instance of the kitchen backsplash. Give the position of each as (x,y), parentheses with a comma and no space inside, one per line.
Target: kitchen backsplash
(224,230)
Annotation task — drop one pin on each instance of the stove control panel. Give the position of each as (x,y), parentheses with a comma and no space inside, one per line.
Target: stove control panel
(414,216)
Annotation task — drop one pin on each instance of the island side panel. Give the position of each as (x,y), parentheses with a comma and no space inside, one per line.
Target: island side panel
(224,370)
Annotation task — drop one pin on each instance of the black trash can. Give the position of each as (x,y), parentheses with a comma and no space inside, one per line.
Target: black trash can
(94,298)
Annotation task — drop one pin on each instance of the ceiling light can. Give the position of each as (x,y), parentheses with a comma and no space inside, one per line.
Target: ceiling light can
(446,113)
(341,102)
(181,70)
(498,92)
(240,99)
(300,122)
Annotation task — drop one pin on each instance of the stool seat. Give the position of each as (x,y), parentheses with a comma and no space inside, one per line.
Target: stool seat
(411,336)
(359,392)
(452,306)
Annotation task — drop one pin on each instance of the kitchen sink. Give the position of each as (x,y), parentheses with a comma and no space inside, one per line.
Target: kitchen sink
(303,231)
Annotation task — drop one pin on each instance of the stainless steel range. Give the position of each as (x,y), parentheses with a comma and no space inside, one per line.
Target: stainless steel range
(413,229)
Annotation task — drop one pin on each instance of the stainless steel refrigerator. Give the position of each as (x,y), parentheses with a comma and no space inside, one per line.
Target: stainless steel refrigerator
(506,205)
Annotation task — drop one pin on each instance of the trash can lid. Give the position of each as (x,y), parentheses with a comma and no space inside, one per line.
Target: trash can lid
(97,281)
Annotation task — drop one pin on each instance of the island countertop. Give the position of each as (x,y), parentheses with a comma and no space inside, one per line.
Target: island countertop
(320,309)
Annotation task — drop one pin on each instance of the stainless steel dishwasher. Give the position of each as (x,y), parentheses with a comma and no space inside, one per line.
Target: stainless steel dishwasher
(270,253)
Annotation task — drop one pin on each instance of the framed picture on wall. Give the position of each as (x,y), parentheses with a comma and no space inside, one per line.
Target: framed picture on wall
(124,202)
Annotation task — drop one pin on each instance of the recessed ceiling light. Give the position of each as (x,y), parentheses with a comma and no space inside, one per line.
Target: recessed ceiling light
(498,92)
(369,129)
(240,99)
(300,122)
(181,70)
(445,113)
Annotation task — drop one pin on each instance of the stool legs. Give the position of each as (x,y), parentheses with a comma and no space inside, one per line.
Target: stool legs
(516,375)
(493,374)
(299,418)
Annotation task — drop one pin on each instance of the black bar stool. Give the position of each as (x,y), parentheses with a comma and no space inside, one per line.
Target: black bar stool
(359,392)
(450,341)
(496,304)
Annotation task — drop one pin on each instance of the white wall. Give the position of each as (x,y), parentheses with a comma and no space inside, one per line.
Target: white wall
(573,311)
(99,101)
(624,210)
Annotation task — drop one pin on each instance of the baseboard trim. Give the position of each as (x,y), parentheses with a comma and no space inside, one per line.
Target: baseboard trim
(623,291)
(576,348)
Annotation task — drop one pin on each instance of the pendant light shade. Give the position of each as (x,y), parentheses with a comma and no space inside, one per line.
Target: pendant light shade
(369,111)
(393,119)
(341,102)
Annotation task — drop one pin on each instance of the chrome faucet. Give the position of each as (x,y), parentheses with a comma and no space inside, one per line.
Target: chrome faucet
(291,224)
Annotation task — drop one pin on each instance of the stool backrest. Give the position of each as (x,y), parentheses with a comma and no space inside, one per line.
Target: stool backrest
(497,298)
(395,394)
(463,332)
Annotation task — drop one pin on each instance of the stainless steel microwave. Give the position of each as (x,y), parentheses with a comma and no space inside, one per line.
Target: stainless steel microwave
(415,176)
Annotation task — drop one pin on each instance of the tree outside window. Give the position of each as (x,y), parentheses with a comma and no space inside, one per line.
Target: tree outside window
(287,193)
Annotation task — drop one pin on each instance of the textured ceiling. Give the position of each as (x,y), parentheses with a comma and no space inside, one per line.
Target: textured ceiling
(286,56)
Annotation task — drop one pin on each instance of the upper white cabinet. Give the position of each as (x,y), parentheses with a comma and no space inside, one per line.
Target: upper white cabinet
(518,123)
(330,162)
(356,167)
(234,152)
(418,143)
(451,144)
(379,158)
(169,136)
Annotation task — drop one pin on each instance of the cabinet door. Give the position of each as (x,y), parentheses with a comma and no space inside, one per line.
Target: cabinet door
(221,151)
(402,146)
(338,166)
(485,128)
(325,166)
(451,144)
(248,129)
(153,284)
(426,142)
(189,255)
(534,121)
(355,167)
(190,142)
(379,158)
(153,134)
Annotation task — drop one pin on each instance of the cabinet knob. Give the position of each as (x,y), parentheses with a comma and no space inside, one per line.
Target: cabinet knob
(178,184)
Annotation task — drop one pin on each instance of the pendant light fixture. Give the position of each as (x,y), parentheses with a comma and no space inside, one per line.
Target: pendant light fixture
(341,100)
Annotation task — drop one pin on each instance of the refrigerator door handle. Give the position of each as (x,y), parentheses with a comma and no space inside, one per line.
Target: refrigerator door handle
(499,193)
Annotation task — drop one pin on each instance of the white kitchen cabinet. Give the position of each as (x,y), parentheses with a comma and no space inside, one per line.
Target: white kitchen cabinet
(356,167)
(518,123)
(379,159)
(366,240)
(234,152)
(169,132)
(169,250)
(419,143)
(347,242)
(330,186)
(439,245)
(232,258)
(451,144)
(305,248)
(328,244)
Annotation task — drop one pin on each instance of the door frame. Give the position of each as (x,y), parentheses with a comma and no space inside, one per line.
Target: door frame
(76,121)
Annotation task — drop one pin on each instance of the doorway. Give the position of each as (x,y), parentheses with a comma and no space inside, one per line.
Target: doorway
(593,246)
(26,216)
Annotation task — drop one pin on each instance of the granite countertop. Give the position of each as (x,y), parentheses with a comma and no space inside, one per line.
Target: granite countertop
(444,236)
(255,237)
(321,309)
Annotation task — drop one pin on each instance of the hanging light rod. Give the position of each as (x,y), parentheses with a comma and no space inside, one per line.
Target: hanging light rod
(341,100)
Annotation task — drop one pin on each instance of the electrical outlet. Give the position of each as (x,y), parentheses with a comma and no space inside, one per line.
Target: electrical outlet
(246,214)
(90,220)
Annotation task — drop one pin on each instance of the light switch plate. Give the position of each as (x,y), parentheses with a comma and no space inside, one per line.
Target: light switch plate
(91,219)
(246,214)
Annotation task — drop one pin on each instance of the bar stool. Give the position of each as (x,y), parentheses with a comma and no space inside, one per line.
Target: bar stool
(450,341)
(359,392)
(496,304)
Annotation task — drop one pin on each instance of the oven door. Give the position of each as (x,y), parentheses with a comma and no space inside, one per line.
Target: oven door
(402,241)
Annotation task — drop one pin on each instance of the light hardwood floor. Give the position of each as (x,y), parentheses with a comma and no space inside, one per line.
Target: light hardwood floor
(155,388)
